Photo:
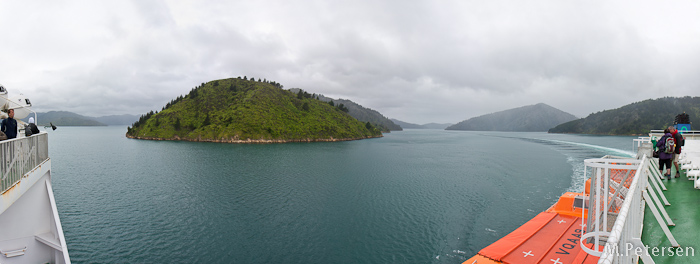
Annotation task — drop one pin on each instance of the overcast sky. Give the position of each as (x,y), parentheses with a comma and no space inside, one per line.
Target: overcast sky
(416,61)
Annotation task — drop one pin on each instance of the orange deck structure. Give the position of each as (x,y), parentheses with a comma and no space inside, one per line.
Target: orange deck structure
(554,235)
(613,204)
(550,237)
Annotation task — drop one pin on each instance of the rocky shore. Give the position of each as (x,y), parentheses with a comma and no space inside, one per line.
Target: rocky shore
(251,141)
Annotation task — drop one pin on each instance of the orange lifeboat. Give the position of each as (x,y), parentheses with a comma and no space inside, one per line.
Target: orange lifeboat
(551,237)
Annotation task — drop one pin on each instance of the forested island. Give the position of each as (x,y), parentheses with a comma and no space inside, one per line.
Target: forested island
(242,110)
(633,119)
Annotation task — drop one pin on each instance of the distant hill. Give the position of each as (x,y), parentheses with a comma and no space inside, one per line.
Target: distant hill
(246,111)
(117,120)
(531,118)
(64,118)
(416,126)
(634,119)
(405,125)
(361,113)
(436,125)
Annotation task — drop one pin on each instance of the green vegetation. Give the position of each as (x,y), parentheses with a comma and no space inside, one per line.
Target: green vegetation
(242,110)
(361,113)
(634,119)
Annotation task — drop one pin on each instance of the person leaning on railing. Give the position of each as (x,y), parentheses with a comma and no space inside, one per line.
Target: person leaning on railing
(9,125)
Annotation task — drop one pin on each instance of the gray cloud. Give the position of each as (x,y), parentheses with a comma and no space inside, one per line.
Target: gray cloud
(417,61)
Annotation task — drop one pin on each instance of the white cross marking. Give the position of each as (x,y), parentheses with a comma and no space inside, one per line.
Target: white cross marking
(561,221)
(529,253)
(583,225)
(556,261)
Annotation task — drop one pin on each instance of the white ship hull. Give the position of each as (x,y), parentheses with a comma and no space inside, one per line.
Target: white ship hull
(30,228)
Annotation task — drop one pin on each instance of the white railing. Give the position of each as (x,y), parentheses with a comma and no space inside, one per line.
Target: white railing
(19,156)
(620,190)
(643,146)
(639,142)
(626,231)
(611,187)
(617,202)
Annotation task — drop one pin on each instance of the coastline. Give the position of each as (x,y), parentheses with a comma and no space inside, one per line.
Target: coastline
(251,141)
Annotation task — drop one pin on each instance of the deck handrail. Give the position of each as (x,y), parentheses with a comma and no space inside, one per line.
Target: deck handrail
(690,134)
(628,226)
(19,156)
(611,182)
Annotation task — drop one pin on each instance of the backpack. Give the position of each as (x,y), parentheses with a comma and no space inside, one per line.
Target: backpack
(669,145)
(35,130)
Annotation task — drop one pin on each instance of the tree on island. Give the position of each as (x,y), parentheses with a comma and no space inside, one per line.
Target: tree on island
(343,108)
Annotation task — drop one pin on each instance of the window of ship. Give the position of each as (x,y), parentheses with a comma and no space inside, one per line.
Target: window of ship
(581,202)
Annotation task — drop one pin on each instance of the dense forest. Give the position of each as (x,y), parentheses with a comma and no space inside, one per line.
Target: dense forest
(634,119)
(243,110)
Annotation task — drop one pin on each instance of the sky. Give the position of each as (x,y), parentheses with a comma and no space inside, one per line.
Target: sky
(416,61)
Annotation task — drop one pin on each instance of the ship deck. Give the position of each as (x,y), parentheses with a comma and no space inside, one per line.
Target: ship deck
(685,212)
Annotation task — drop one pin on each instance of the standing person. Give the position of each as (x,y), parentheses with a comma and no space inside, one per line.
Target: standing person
(677,152)
(665,158)
(9,125)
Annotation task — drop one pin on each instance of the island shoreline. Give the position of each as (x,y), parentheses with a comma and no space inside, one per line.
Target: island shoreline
(253,141)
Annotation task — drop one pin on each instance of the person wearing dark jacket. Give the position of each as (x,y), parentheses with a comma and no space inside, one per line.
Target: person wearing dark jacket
(664,158)
(9,125)
(677,152)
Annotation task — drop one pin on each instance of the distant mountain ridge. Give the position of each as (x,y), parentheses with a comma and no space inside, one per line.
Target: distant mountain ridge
(117,120)
(532,118)
(634,119)
(361,113)
(65,118)
(407,125)
(368,115)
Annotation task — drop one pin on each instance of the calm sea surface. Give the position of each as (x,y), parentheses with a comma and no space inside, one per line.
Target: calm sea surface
(415,196)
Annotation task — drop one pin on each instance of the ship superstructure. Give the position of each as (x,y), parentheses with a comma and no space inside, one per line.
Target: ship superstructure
(30,227)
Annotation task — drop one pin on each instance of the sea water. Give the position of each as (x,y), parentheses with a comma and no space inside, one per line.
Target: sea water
(414,196)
